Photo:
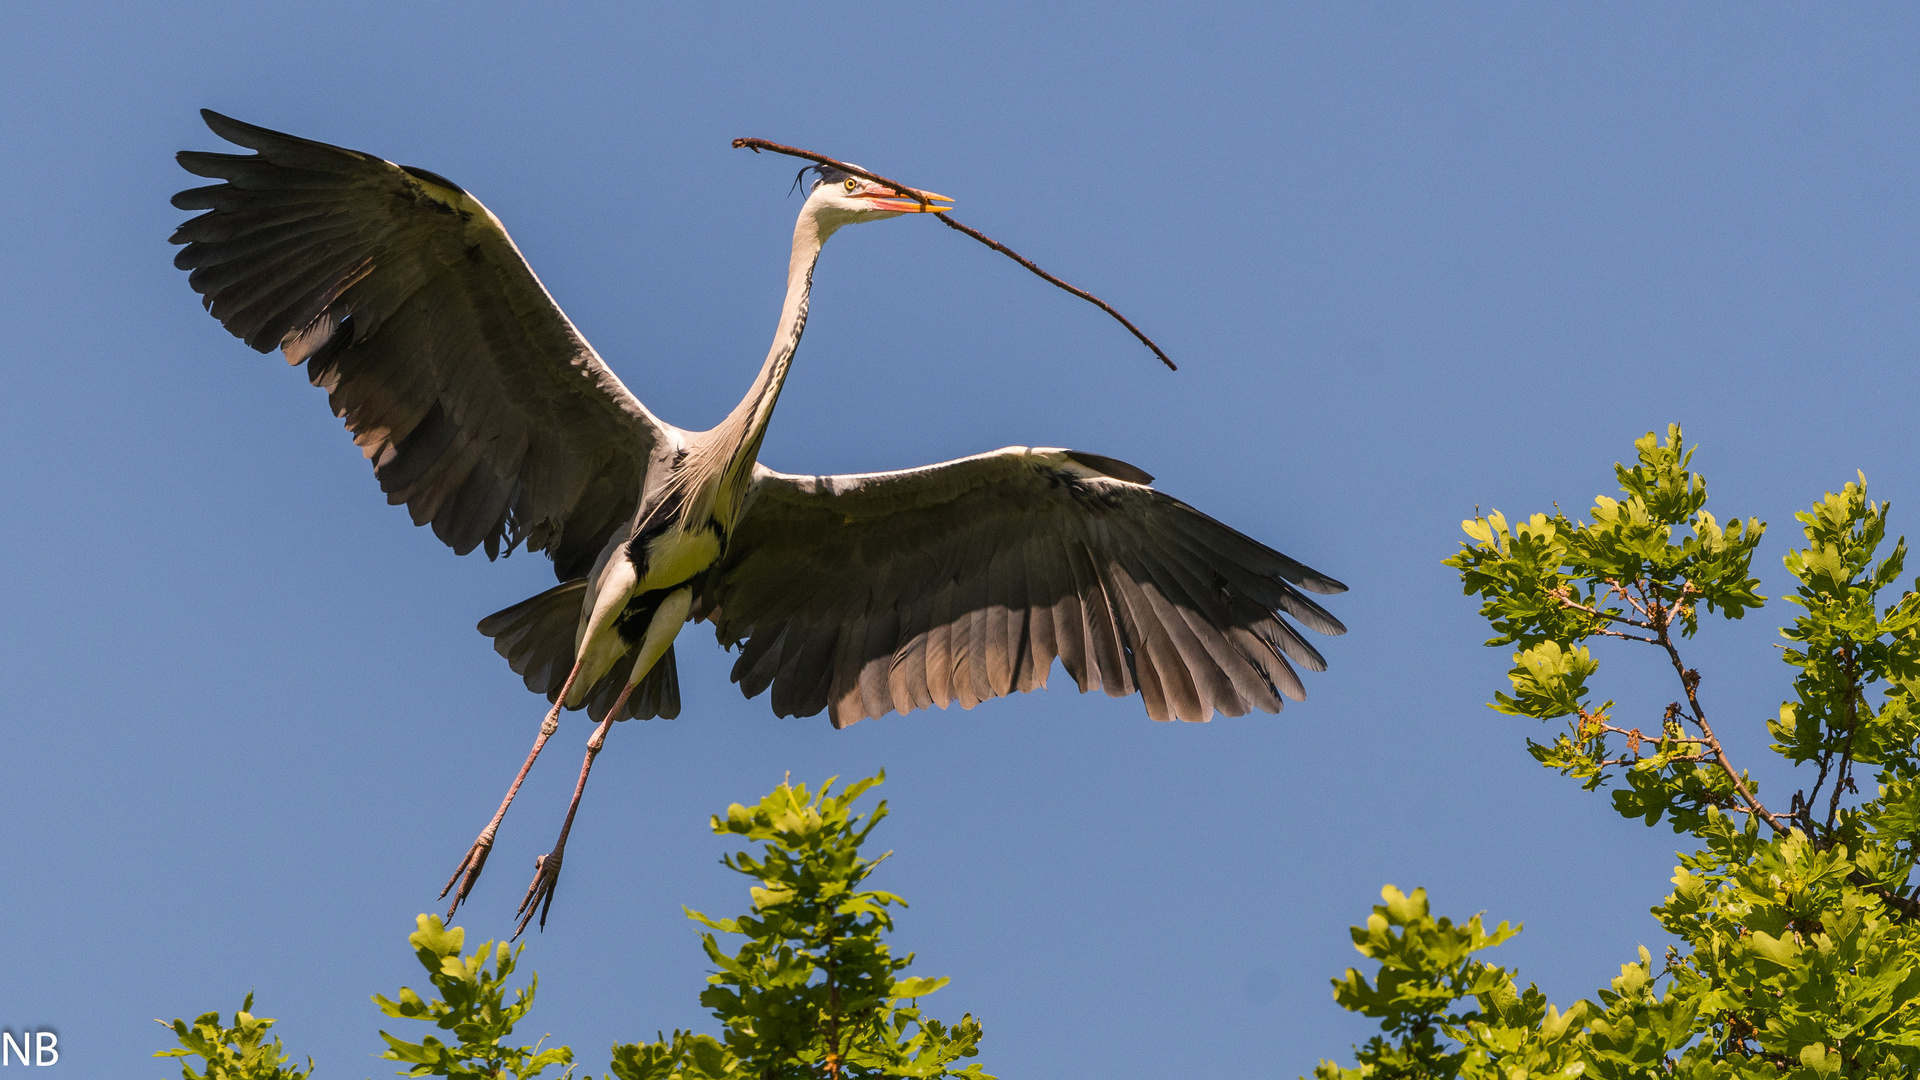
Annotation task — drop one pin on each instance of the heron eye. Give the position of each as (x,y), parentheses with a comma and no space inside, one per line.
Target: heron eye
(852,185)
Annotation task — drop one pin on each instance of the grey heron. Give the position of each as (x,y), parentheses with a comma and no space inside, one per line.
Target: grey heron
(486,413)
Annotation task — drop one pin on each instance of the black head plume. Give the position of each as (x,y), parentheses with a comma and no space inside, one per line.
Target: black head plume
(825,174)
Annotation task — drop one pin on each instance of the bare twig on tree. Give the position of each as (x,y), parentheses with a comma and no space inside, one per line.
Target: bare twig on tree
(757,145)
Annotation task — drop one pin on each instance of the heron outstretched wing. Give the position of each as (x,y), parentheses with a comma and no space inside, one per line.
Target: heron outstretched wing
(964,581)
(479,404)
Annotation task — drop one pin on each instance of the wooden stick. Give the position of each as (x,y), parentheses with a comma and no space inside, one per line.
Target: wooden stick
(757,145)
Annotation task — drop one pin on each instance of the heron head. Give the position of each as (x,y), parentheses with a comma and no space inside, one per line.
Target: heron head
(838,198)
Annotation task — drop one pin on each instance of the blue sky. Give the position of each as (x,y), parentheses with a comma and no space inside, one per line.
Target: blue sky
(1412,259)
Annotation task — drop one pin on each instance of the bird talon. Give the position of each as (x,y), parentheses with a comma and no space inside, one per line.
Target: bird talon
(470,866)
(546,874)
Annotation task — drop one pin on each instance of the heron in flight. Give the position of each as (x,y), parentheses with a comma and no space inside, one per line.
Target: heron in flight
(485,412)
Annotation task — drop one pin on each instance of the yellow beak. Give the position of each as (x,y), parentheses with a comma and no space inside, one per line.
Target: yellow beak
(881,197)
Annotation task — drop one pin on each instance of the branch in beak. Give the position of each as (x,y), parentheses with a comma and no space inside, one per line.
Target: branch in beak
(912,206)
(880,196)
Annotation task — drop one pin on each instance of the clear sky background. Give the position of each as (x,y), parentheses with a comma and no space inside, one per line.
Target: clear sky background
(1412,258)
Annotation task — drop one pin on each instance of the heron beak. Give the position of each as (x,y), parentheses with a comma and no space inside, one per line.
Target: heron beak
(885,198)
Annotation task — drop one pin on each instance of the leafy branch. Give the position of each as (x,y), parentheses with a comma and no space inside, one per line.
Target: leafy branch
(814,991)
(1800,949)
(1552,583)
(471,1003)
(236,1051)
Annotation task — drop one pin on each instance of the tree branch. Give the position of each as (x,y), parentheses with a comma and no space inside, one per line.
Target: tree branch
(1624,635)
(1662,617)
(1621,590)
(1567,601)
(1904,907)
(1081,293)
(757,145)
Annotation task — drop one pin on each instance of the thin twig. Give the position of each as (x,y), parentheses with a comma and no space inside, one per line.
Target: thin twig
(1081,293)
(1624,595)
(1636,735)
(1565,597)
(1623,634)
(1568,603)
(1690,757)
(757,145)
(1812,795)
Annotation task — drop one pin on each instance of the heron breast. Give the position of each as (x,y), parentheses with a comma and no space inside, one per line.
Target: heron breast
(674,556)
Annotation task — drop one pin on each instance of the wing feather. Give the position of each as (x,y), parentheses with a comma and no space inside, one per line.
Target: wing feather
(970,657)
(478,403)
(1228,678)
(965,581)
(1203,683)
(1069,618)
(1036,648)
(1107,665)
(907,671)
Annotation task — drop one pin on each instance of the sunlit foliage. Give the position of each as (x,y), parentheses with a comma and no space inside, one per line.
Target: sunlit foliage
(1800,953)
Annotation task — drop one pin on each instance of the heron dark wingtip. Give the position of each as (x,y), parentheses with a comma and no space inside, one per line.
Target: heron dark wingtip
(1324,585)
(1113,467)
(285,149)
(235,131)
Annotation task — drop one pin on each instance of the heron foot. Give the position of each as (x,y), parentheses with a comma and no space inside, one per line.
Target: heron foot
(468,871)
(546,874)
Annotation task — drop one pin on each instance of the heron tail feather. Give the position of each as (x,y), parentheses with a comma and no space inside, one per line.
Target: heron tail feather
(536,637)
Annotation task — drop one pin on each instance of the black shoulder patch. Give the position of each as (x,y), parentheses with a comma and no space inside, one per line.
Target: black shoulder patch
(1113,467)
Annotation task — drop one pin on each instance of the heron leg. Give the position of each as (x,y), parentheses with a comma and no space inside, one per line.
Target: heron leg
(661,630)
(546,868)
(476,858)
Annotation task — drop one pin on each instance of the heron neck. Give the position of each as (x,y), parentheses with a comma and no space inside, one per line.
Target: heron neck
(746,426)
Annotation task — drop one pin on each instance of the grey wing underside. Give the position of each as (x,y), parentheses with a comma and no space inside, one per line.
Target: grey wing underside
(964,581)
(479,404)
(537,635)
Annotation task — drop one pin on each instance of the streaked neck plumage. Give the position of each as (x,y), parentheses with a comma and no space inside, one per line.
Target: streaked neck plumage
(720,466)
